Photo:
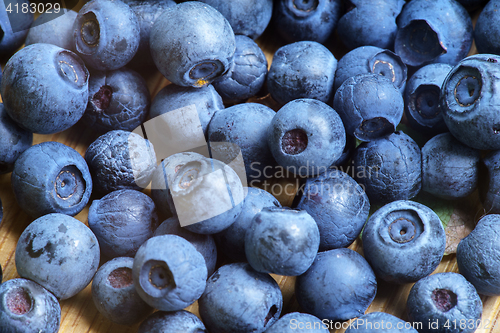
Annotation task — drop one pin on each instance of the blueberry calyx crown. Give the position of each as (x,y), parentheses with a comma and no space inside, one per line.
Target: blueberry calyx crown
(294,141)
(120,277)
(102,98)
(444,299)
(467,90)
(426,101)
(90,30)
(69,185)
(302,8)
(19,301)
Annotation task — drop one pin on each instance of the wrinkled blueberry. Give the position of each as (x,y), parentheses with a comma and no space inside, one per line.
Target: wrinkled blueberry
(433,31)
(422,98)
(169,273)
(339,206)
(114,293)
(247,17)
(239,299)
(45,88)
(371,59)
(179,321)
(242,129)
(370,22)
(106,34)
(121,215)
(370,106)
(448,301)
(13,141)
(208,196)
(53,28)
(298,20)
(118,100)
(51,177)
(477,257)
(469,101)
(389,168)
(306,137)
(120,160)
(27,307)
(282,241)
(302,70)
(248,74)
(231,241)
(449,168)
(58,252)
(192,44)
(403,241)
(205,244)
(339,285)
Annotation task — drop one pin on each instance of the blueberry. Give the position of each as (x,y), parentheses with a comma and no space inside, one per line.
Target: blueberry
(53,28)
(179,321)
(13,141)
(122,221)
(380,321)
(306,137)
(206,102)
(61,81)
(298,322)
(469,101)
(370,22)
(282,241)
(476,256)
(247,17)
(370,106)
(205,244)
(443,302)
(403,241)
(449,168)
(58,252)
(389,168)
(106,34)
(192,44)
(120,160)
(298,20)
(114,293)
(164,175)
(302,70)
(339,206)
(486,31)
(27,307)
(231,241)
(489,182)
(51,177)
(147,11)
(238,299)
(118,100)
(371,59)
(339,285)
(242,129)
(422,98)
(207,183)
(169,273)
(433,31)
(14,25)
(248,74)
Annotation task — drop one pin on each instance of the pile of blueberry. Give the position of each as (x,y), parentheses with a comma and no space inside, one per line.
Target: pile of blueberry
(356,140)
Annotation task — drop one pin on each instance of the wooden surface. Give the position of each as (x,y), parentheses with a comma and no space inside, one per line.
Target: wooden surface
(79,314)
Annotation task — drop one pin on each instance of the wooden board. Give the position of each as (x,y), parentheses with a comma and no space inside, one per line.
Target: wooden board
(79,314)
